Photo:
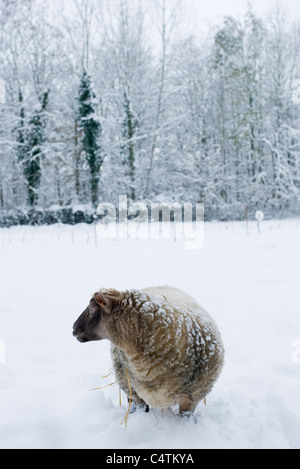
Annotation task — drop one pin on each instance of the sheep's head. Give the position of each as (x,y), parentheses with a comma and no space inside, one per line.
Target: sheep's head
(92,323)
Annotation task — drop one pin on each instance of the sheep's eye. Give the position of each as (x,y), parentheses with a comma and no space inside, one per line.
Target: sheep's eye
(92,309)
(94,313)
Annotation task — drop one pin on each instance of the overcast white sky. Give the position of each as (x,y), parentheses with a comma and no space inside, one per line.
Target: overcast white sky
(211,9)
(197,16)
(205,12)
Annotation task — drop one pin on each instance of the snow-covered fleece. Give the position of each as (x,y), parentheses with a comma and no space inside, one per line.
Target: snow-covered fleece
(166,344)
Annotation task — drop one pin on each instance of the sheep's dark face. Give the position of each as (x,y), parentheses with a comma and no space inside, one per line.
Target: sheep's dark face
(90,325)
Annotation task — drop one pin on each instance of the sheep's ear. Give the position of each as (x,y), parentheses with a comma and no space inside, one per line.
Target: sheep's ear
(102,301)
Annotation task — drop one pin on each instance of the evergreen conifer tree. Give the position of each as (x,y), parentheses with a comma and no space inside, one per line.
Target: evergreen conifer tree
(91,130)
(31,140)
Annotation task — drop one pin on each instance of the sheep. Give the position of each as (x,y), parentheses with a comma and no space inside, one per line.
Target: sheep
(166,349)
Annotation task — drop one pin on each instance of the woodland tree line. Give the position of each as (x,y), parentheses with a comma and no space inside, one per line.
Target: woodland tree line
(104,98)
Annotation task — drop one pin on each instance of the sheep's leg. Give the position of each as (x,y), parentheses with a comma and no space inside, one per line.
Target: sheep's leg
(186,406)
(121,371)
(138,403)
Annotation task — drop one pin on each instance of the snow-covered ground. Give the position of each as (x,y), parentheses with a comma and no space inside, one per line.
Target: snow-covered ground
(250,285)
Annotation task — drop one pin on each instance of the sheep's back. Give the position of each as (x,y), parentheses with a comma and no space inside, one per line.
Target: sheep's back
(181,353)
(178,298)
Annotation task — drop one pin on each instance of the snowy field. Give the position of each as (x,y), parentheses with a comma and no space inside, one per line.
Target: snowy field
(249,284)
